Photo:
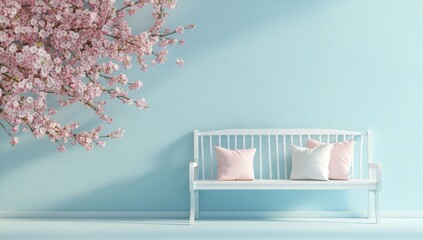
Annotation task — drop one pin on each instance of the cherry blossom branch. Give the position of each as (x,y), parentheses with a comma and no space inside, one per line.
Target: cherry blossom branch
(123,8)
(8,133)
(58,50)
(48,4)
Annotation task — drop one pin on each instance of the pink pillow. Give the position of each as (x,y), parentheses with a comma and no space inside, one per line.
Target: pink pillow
(235,164)
(340,160)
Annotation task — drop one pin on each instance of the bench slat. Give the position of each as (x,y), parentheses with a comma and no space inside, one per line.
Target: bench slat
(361,157)
(211,155)
(285,185)
(202,157)
(269,157)
(261,156)
(278,132)
(284,157)
(277,156)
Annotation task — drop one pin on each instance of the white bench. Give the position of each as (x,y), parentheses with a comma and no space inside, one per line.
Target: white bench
(272,162)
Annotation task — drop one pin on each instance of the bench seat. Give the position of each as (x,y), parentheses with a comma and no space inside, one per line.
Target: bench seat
(364,184)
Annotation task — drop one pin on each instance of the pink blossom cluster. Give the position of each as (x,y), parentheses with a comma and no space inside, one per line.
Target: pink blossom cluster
(73,50)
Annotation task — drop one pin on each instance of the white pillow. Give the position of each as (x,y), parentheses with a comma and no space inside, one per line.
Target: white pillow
(312,163)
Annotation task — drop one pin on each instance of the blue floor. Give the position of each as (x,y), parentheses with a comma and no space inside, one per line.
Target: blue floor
(104,229)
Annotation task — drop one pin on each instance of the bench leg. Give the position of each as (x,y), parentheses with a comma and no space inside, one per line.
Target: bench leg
(369,205)
(377,207)
(194,211)
(197,205)
(192,207)
(376,204)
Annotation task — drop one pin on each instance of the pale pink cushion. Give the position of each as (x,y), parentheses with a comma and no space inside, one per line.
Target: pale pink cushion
(340,160)
(235,164)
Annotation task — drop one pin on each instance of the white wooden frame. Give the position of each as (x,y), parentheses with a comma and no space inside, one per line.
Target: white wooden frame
(273,161)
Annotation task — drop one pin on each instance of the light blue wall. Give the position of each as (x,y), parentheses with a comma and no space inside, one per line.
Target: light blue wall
(352,65)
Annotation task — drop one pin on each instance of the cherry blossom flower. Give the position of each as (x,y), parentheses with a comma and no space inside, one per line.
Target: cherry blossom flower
(180,62)
(72,50)
(117,134)
(101,143)
(62,148)
(141,103)
(136,85)
(180,29)
(14,141)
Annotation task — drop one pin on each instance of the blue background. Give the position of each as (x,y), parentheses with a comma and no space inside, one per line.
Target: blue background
(351,65)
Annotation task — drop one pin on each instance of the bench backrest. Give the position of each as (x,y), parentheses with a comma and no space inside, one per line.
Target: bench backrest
(273,155)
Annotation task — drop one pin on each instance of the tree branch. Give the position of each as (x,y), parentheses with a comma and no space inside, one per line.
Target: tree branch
(8,133)
(124,7)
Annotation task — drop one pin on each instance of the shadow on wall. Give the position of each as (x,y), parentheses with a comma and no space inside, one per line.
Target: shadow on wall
(287,200)
(165,188)
(24,153)
(227,25)
(158,190)
(31,149)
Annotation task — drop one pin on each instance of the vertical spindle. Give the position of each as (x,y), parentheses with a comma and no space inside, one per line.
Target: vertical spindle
(284,158)
(301,140)
(202,156)
(220,140)
(277,156)
(269,156)
(361,153)
(261,155)
(243,141)
(211,156)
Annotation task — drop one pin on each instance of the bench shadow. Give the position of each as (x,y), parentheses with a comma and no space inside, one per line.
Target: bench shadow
(284,200)
(30,150)
(151,191)
(141,193)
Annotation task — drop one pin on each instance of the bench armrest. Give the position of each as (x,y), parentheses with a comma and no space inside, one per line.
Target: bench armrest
(192,171)
(375,172)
